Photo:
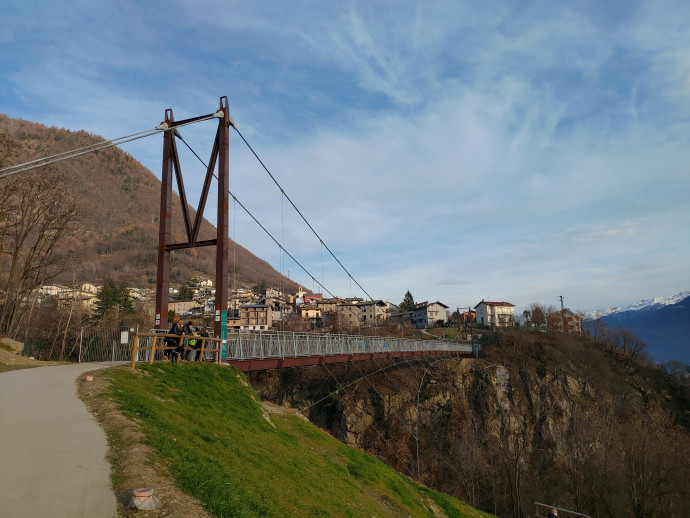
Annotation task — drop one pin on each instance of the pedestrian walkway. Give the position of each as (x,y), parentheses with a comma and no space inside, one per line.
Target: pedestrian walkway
(52,450)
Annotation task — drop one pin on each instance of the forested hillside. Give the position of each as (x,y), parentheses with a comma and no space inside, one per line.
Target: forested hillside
(118,201)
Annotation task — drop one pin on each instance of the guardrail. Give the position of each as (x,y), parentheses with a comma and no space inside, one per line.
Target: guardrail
(247,345)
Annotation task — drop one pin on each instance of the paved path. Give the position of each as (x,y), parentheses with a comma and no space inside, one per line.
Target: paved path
(52,450)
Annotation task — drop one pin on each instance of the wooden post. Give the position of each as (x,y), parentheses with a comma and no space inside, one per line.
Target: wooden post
(135,350)
(201,351)
(154,339)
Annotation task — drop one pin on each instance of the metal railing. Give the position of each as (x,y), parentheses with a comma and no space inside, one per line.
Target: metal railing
(116,344)
(246,345)
(87,344)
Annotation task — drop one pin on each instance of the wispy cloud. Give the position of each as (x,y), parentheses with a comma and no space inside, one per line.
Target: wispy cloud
(458,150)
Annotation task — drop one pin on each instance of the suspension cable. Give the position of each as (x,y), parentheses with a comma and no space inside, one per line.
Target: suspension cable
(65,155)
(282,248)
(381,437)
(300,213)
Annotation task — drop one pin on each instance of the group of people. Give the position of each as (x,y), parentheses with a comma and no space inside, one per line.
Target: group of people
(191,338)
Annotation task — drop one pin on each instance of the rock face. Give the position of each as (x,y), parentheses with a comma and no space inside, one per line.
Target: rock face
(547,418)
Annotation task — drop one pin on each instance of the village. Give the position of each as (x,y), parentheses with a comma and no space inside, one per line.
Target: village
(260,308)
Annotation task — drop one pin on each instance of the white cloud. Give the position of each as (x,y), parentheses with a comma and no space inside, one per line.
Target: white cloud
(456,150)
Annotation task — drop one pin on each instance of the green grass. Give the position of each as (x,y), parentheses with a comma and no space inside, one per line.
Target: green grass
(207,424)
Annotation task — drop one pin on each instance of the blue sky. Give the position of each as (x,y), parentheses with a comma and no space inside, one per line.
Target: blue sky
(506,151)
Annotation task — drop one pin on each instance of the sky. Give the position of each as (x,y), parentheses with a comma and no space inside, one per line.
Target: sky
(498,150)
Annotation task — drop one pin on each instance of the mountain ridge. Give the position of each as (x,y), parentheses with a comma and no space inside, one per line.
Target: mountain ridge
(663,324)
(643,304)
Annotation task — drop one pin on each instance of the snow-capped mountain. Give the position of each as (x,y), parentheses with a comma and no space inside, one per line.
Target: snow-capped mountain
(645,304)
(663,323)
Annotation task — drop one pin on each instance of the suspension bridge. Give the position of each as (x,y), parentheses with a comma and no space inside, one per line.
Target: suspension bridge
(265,350)
(245,350)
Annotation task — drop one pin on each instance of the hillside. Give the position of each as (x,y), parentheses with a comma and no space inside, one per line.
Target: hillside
(546,417)
(119,201)
(210,431)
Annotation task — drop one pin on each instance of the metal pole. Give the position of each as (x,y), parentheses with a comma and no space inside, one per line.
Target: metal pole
(81,341)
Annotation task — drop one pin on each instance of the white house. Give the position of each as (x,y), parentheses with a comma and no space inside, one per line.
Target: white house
(495,314)
(427,314)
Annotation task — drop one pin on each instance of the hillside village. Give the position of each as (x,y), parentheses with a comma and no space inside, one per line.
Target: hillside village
(261,308)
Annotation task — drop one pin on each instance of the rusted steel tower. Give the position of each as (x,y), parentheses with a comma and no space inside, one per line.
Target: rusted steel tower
(171,162)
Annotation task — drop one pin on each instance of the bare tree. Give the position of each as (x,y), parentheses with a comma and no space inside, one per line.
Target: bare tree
(38,214)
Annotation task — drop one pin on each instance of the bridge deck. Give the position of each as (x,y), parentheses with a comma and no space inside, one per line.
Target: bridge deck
(259,364)
(263,350)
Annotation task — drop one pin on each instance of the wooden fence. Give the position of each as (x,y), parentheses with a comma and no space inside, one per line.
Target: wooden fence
(150,347)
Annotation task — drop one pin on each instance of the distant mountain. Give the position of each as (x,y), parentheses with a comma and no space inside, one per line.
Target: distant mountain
(120,202)
(645,304)
(662,323)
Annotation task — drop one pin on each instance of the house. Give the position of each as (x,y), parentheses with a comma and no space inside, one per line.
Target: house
(310,312)
(372,311)
(495,314)
(427,314)
(183,307)
(400,318)
(256,317)
(565,321)
(50,291)
(468,317)
(345,314)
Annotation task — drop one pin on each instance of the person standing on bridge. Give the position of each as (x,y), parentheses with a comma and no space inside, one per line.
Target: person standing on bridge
(553,513)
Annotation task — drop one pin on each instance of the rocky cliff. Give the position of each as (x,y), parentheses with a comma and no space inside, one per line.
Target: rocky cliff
(552,418)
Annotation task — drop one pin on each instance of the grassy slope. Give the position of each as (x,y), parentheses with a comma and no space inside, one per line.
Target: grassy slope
(207,423)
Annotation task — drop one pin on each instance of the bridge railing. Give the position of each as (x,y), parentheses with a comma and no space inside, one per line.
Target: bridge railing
(243,345)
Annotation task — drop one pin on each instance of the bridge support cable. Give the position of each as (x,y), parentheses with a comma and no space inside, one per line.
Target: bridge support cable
(91,148)
(280,246)
(300,213)
(380,435)
(404,425)
(342,387)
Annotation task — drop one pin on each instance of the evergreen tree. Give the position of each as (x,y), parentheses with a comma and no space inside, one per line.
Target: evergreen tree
(185,293)
(113,296)
(260,289)
(408,302)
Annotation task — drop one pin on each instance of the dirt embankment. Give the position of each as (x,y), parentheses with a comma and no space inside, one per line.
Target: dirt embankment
(11,358)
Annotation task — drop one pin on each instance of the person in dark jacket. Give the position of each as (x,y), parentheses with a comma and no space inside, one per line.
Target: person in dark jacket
(172,341)
(553,513)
